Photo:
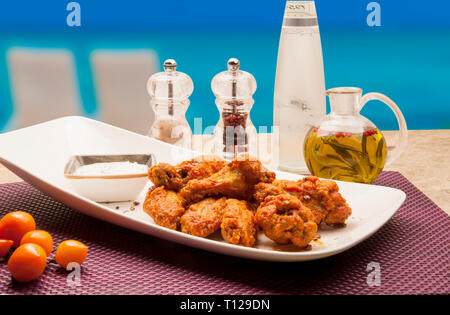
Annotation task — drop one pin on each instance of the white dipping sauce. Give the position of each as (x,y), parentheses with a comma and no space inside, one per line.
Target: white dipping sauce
(111,168)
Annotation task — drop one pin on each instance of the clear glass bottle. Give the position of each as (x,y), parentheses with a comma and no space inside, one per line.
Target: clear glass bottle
(299,97)
(170,91)
(346,146)
(234,133)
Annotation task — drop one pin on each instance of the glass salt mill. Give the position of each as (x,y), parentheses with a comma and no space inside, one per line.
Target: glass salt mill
(234,133)
(170,91)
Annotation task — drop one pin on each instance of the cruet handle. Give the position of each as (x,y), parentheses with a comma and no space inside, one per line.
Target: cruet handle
(393,152)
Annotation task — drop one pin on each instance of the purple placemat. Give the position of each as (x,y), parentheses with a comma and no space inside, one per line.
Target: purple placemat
(412,251)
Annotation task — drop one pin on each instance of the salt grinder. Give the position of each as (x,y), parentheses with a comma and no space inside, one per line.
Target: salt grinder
(234,133)
(169,92)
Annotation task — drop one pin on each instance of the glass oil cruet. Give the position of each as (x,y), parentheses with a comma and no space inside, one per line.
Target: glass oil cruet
(234,133)
(170,91)
(345,145)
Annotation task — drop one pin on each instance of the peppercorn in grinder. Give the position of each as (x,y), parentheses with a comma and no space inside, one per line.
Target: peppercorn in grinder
(234,133)
(170,91)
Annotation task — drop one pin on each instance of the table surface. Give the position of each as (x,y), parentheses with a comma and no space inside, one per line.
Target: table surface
(413,260)
(424,163)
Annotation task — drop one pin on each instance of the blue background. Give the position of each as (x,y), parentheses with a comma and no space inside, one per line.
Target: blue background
(407,58)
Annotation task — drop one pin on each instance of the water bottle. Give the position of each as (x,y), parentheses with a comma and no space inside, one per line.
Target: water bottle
(299,98)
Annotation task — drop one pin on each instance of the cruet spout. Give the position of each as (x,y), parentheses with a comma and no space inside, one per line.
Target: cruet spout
(345,100)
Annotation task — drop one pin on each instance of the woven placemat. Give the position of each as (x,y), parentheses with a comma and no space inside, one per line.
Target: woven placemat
(412,251)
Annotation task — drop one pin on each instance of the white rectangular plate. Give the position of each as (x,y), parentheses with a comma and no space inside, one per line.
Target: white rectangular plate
(38,155)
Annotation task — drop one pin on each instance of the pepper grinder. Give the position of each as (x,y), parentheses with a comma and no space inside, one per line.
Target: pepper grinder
(234,133)
(169,92)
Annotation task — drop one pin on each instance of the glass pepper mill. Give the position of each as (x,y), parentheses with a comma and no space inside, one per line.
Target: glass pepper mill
(234,133)
(170,91)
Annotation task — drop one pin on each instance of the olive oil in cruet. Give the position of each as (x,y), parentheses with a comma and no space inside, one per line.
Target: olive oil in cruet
(346,146)
(346,156)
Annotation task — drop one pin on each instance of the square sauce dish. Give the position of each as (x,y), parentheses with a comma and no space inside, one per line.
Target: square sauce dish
(108,178)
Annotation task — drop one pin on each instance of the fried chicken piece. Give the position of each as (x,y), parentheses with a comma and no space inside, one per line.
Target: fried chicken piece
(201,167)
(236,180)
(238,223)
(252,169)
(165,175)
(263,190)
(284,219)
(176,177)
(203,218)
(228,182)
(252,205)
(165,207)
(321,196)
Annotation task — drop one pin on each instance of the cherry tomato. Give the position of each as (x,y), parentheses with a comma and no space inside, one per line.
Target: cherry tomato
(14,225)
(42,238)
(5,245)
(27,262)
(71,251)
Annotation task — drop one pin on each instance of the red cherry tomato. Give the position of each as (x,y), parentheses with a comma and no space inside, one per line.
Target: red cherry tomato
(27,262)
(5,245)
(15,225)
(42,238)
(70,251)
